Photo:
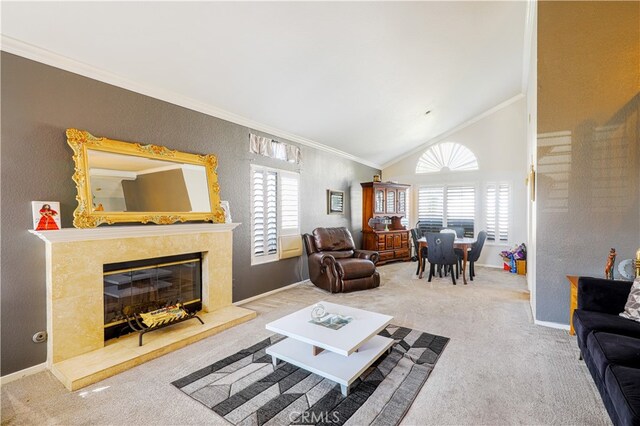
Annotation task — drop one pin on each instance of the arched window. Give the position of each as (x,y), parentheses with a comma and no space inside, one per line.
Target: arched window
(447,156)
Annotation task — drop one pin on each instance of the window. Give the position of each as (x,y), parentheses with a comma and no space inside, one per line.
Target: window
(431,207)
(497,199)
(442,206)
(274,210)
(461,207)
(447,156)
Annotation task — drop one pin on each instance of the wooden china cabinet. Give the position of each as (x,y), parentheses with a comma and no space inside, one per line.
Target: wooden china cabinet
(383,207)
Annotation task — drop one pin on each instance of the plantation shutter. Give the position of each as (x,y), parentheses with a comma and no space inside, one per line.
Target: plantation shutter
(503,211)
(431,208)
(265,211)
(461,207)
(271,193)
(491,211)
(498,212)
(289,210)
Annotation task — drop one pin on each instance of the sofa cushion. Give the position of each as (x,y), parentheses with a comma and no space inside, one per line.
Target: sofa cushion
(632,307)
(623,387)
(600,295)
(607,348)
(584,322)
(349,269)
(333,239)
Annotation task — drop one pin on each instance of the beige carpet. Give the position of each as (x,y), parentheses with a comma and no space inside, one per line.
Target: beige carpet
(497,369)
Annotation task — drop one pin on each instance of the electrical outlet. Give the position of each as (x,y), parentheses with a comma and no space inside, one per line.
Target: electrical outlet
(40,337)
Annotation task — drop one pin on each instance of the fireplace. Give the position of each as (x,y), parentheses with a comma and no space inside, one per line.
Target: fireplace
(77,353)
(149,284)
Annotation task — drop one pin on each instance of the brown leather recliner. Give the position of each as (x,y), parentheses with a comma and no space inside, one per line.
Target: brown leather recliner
(334,263)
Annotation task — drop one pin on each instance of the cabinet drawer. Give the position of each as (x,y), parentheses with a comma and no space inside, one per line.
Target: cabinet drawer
(405,237)
(401,253)
(386,255)
(389,241)
(381,246)
(381,239)
(405,244)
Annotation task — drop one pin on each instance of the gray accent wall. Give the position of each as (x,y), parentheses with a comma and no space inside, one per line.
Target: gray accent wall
(40,102)
(588,147)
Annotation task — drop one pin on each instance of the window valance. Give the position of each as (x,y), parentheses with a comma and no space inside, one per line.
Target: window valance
(274,149)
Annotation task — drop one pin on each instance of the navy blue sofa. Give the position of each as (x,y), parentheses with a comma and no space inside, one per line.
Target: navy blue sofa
(610,346)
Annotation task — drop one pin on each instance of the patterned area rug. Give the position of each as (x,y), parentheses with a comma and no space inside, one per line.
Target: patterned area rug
(245,389)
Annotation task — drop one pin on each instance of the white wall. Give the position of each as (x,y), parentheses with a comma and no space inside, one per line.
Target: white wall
(532,144)
(499,142)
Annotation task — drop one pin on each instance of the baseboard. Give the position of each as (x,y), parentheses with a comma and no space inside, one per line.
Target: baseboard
(23,373)
(552,324)
(268,293)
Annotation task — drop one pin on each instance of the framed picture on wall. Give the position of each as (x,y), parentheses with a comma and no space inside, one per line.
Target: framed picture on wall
(46,215)
(335,202)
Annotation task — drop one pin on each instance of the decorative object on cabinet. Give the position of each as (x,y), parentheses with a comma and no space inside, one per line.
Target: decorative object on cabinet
(383,207)
(141,183)
(626,269)
(335,202)
(611,260)
(376,178)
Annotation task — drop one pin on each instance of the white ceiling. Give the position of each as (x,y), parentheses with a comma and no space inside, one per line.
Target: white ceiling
(357,76)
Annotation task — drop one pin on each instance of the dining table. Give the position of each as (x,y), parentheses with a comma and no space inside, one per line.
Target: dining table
(463,244)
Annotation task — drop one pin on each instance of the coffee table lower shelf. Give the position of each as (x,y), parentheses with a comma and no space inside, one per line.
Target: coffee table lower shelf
(338,368)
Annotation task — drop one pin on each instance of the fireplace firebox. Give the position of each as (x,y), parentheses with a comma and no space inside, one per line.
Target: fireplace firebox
(149,284)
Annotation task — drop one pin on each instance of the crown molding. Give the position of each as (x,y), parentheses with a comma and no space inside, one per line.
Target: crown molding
(448,133)
(47,57)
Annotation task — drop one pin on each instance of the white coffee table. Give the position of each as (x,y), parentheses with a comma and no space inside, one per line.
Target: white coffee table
(339,355)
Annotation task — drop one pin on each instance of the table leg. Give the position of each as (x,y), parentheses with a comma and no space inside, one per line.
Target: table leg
(420,260)
(464,265)
(274,360)
(344,389)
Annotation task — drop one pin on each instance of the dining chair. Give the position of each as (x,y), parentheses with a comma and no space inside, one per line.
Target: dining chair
(422,227)
(474,253)
(420,254)
(441,253)
(458,230)
(459,233)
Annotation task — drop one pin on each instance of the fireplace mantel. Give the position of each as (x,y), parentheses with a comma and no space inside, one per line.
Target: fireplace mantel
(76,350)
(113,232)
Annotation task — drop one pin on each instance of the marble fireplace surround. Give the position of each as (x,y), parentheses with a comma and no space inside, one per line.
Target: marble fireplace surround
(76,352)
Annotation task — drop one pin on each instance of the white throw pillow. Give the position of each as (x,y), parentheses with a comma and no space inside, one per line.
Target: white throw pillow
(632,308)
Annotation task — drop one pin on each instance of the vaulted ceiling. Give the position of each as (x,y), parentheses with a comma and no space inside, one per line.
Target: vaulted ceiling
(354,76)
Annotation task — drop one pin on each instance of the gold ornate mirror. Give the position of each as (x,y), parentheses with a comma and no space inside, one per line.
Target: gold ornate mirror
(129,182)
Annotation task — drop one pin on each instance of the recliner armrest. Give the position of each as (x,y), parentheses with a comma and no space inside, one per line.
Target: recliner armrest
(323,272)
(367,254)
(600,295)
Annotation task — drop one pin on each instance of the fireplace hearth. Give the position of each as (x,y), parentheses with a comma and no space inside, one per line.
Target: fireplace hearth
(145,285)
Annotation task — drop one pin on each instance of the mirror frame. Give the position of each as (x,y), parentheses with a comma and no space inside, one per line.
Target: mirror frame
(85,216)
